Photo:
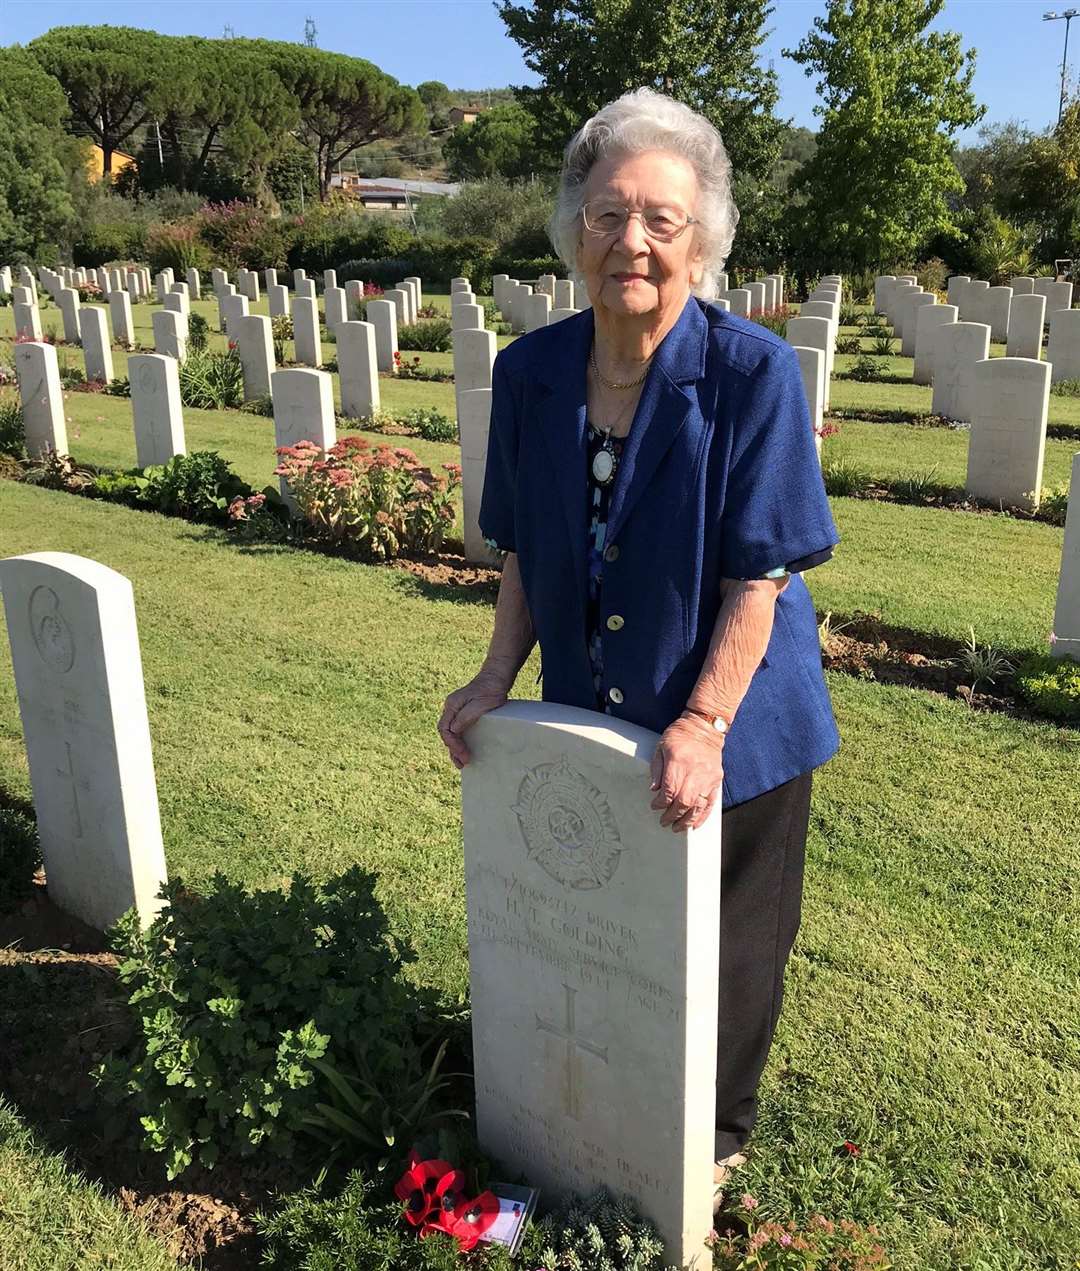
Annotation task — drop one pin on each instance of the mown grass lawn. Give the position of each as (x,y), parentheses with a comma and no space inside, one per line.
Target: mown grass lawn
(931,1013)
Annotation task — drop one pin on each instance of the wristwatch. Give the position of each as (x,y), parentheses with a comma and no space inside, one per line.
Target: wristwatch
(717,722)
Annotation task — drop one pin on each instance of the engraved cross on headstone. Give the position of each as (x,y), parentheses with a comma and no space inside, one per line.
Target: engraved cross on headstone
(568,1032)
(74,782)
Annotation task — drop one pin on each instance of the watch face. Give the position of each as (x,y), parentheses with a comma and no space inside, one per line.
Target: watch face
(603,466)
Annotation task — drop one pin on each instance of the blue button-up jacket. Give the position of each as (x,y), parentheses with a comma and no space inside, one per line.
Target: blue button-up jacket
(719,478)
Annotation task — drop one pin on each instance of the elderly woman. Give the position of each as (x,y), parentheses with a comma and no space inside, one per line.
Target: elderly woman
(653,479)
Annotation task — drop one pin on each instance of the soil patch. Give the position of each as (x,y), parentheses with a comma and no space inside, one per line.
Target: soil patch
(64,1010)
(444,569)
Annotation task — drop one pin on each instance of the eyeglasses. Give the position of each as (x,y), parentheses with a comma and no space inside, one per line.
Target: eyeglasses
(662,223)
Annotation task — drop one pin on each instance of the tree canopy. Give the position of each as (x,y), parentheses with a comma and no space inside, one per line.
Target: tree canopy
(892,94)
(499,143)
(39,162)
(702,52)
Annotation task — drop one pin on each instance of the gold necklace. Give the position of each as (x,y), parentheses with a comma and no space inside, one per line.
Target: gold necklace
(615,384)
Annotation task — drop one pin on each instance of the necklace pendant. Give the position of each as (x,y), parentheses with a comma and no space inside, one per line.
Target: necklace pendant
(603,466)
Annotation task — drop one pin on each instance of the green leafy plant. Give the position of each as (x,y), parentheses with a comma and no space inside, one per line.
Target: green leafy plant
(198,486)
(118,487)
(412,369)
(883,344)
(843,477)
(848,344)
(1066,388)
(867,369)
(1050,685)
(775,320)
(20,856)
(198,332)
(983,666)
(602,1233)
(429,336)
(850,315)
(1054,503)
(12,427)
(236,994)
(212,381)
(375,504)
(281,331)
(260,518)
(430,424)
(263,406)
(917,487)
(119,387)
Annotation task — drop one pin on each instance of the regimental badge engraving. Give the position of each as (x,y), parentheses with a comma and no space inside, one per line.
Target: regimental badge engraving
(51,634)
(568,826)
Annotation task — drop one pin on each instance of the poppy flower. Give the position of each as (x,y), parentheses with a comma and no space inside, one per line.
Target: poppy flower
(418,1187)
(850,1148)
(471,1219)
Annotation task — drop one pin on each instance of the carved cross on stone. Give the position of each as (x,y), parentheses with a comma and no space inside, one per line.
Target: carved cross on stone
(74,782)
(568,1032)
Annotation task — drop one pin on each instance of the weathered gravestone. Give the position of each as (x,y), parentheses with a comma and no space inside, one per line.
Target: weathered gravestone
(594,953)
(306,341)
(27,317)
(739,300)
(303,411)
(42,399)
(958,346)
(171,333)
(69,311)
(78,675)
(1063,344)
(155,408)
(97,349)
(1008,431)
(382,314)
(1067,609)
(908,329)
(277,295)
(927,319)
(357,369)
(537,309)
(255,346)
(1026,325)
(120,313)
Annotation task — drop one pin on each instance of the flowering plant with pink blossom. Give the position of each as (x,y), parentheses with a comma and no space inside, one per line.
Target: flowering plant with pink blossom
(376,503)
(771,1245)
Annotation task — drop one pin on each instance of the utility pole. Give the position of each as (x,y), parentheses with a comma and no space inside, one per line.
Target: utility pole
(1067,16)
(228,33)
(310,32)
(160,156)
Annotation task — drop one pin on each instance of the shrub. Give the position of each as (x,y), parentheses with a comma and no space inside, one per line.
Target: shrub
(933,274)
(1054,503)
(376,504)
(211,381)
(119,387)
(917,487)
(260,518)
(440,259)
(19,857)
(242,234)
(1050,685)
(527,266)
(883,343)
(281,331)
(602,1233)
(431,424)
(986,664)
(235,994)
(102,241)
(775,320)
(12,428)
(198,332)
(867,369)
(844,478)
(767,1245)
(850,315)
(1066,388)
(412,369)
(60,472)
(432,335)
(117,487)
(848,344)
(198,486)
(176,246)
(384,273)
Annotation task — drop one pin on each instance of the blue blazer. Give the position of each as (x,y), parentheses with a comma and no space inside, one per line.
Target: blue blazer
(719,478)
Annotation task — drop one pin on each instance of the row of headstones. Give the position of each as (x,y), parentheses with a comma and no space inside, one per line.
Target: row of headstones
(1005,400)
(813,333)
(761,296)
(1009,312)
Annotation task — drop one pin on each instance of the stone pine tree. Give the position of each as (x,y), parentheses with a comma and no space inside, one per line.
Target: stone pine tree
(702,52)
(892,94)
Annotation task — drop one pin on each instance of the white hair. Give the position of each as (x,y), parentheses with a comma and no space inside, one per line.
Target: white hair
(636,122)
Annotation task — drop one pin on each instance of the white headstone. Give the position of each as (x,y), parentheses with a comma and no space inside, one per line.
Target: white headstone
(812,366)
(1063,344)
(474,418)
(25,312)
(399,298)
(354,299)
(973,301)
(466,317)
(270,278)
(69,310)
(892,297)
(382,314)
(519,306)
(224,294)
(1058,294)
(249,285)
(757,296)
(357,369)
(814,333)
(303,411)
(170,333)
(1008,431)
(459,284)
(739,300)
(5,280)
(910,311)
(927,319)
(220,279)
(298,277)
(1026,325)
(134,286)
(304,289)
(177,302)
(120,313)
(474,358)
(156,408)
(564,294)
(334,306)
(97,348)
(78,676)
(329,278)
(880,283)
(255,346)
(594,949)
(557,315)
(277,296)
(306,341)
(996,305)
(418,287)
(1067,609)
(1022,285)
(42,399)
(194,283)
(959,346)
(537,309)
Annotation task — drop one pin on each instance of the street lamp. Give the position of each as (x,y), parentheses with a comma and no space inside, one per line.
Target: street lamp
(1067,15)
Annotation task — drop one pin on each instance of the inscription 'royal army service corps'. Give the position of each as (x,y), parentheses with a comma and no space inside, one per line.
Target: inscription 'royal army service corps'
(568,826)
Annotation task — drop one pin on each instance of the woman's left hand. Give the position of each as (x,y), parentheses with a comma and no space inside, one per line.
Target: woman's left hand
(687,772)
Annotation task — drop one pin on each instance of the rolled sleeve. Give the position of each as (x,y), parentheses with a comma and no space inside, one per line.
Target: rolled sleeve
(776,512)
(497,523)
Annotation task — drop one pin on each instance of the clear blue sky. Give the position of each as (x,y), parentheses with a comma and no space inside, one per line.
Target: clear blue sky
(463,42)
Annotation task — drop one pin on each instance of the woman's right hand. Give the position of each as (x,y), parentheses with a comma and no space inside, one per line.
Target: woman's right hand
(485,692)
